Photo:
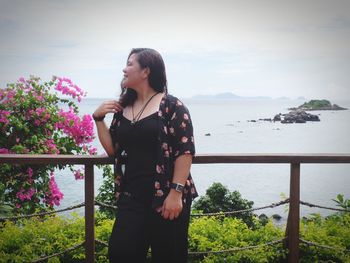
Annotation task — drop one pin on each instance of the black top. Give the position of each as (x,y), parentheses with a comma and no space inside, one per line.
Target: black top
(175,138)
(139,142)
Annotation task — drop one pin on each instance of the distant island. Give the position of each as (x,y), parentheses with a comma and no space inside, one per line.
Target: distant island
(318,105)
(232,96)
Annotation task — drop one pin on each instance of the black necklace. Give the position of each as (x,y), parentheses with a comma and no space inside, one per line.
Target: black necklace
(138,115)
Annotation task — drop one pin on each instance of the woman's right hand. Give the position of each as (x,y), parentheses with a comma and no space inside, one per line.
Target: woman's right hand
(109,106)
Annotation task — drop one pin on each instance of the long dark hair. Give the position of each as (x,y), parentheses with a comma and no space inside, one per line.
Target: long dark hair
(147,58)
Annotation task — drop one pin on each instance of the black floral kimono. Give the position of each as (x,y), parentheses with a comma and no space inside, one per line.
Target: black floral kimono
(175,138)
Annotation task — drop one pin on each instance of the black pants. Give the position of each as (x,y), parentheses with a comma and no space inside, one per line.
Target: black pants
(138,227)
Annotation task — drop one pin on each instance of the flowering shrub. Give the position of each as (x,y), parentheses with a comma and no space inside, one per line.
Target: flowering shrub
(35,119)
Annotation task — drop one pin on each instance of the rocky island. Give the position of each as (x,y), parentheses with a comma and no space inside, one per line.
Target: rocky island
(318,105)
(299,114)
(296,116)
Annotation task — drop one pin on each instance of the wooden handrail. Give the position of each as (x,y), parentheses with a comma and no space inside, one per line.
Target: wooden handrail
(199,159)
(294,159)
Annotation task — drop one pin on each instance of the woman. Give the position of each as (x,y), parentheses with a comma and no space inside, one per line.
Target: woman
(152,133)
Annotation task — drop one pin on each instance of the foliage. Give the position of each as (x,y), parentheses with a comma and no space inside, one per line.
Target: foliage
(35,120)
(211,234)
(315,104)
(333,231)
(219,199)
(341,202)
(29,239)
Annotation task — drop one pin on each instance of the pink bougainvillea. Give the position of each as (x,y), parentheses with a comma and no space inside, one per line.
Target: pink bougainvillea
(34,118)
(54,195)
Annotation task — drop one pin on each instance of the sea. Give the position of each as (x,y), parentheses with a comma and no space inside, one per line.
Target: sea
(233,126)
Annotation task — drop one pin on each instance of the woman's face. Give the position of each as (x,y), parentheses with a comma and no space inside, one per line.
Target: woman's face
(133,74)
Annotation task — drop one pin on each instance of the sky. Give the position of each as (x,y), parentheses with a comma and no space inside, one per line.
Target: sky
(272,48)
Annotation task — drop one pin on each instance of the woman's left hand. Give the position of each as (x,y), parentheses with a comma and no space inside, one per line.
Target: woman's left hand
(172,205)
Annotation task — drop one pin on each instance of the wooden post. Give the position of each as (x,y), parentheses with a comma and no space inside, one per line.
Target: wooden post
(294,214)
(89,214)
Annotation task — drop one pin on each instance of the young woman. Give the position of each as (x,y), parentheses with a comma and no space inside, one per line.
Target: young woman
(152,134)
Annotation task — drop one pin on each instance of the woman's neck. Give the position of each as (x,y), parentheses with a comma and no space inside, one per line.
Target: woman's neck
(144,94)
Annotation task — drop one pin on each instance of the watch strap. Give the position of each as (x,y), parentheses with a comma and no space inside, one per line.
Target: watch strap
(177,187)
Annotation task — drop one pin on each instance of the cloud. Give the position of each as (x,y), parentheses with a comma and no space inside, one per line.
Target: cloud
(262,47)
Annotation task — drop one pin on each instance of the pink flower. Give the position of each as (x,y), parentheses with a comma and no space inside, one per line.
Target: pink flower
(51,147)
(78,175)
(66,87)
(186,116)
(159,169)
(10,94)
(184,139)
(30,172)
(159,193)
(3,116)
(4,151)
(82,130)
(117,180)
(92,150)
(157,185)
(165,146)
(21,195)
(54,196)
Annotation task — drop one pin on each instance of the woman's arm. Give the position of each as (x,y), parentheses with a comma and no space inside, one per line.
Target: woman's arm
(105,137)
(102,129)
(172,206)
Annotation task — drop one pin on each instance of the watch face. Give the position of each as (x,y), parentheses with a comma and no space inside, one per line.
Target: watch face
(177,187)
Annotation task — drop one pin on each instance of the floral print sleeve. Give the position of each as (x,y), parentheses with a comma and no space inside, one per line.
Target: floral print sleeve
(181,129)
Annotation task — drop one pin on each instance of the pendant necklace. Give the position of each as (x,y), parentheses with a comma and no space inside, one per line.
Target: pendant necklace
(138,115)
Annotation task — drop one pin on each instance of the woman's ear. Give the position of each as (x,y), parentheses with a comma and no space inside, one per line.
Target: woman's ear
(146,72)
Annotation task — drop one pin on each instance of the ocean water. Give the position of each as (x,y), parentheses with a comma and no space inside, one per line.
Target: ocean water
(231,131)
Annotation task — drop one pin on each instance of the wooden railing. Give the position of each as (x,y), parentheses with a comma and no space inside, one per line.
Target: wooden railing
(295,160)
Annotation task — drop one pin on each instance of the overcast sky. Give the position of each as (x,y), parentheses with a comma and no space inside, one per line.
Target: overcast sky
(251,48)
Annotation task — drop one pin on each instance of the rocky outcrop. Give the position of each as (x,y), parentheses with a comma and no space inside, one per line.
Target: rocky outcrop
(298,116)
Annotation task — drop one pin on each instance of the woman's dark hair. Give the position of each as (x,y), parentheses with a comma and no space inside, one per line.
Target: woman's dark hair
(147,58)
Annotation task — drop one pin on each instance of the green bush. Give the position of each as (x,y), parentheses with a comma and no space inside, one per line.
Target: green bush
(218,198)
(210,234)
(332,231)
(27,240)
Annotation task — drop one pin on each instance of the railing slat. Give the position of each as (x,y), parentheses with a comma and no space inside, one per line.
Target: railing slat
(89,214)
(294,213)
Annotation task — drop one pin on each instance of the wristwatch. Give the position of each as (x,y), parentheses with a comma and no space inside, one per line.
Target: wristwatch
(177,187)
(98,118)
